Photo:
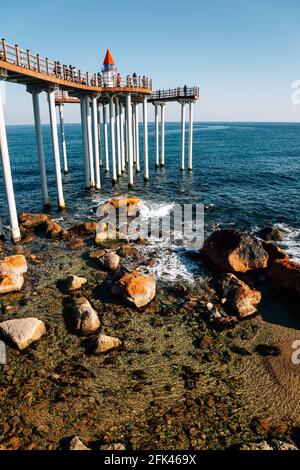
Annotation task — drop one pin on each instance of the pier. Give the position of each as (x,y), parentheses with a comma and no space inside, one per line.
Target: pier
(108,94)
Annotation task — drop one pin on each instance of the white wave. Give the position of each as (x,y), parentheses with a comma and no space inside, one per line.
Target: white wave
(291,241)
(155,210)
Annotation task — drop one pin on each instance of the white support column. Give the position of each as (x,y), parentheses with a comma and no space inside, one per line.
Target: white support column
(12,210)
(133,134)
(190,159)
(156,137)
(63,137)
(182,135)
(137,138)
(146,163)
(90,140)
(85,143)
(129,139)
(40,147)
(118,131)
(105,138)
(96,141)
(112,139)
(99,134)
(53,123)
(122,137)
(162,161)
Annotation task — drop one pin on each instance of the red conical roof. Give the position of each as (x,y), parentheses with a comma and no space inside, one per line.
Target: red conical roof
(108,60)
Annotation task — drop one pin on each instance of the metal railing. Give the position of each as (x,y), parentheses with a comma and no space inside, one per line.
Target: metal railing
(15,55)
(184,92)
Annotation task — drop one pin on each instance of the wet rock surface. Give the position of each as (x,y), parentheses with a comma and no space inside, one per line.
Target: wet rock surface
(238,297)
(174,382)
(136,288)
(236,252)
(22,332)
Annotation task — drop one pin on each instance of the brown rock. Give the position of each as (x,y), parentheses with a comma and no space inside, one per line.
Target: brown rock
(239,297)
(128,250)
(11,283)
(73,283)
(286,274)
(76,244)
(233,251)
(96,254)
(84,229)
(23,331)
(136,288)
(274,252)
(31,221)
(110,261)
(105,343)
(77,444)
(54,230)
(15,264)
(85,316)
(271,234)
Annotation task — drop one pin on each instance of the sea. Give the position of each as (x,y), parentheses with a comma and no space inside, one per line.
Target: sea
(247,176)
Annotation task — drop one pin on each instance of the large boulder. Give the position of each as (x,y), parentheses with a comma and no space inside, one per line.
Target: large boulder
(85,316)
(136,288)
(274,252)
(11,283)
(238,297)
(104,343)
(15,264)
(233,251)
(22,332)
(287,274)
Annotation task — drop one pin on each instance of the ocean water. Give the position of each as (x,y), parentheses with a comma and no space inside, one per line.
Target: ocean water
(247,175)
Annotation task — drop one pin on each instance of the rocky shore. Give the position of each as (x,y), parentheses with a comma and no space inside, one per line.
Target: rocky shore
(101,355)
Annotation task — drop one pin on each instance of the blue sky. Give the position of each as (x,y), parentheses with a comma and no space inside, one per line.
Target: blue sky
(243,55)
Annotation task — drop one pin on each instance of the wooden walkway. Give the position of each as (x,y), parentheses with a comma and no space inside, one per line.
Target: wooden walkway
(19,66)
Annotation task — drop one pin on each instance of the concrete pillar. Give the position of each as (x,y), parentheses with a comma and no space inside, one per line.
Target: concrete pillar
(118,132)
(133,133)
(105,138)
(156,137)
(162,109)
(112,139)
(137,138)
(40,147)
(129,139)
(90,140)
(182,135)
(190,159)
(53,123)
(96,141)
(63,138)
(85,143)
(99,134)
(12,210)
(122,137)
(146,162)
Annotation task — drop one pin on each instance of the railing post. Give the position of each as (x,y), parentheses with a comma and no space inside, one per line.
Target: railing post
(38,62)
(47,66)
(17,55)
(4,49)
(28,58)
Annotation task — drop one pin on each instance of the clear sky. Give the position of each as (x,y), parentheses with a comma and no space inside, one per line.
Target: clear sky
(243,54)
